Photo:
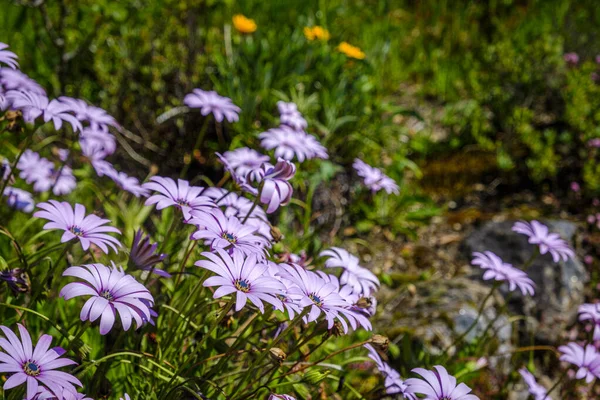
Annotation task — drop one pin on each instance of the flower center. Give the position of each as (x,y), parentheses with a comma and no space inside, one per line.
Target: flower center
(316,299)
(229,237)
(242,285)
(183,202)
(281,297)
(31,368)
(107,295)
(77,231)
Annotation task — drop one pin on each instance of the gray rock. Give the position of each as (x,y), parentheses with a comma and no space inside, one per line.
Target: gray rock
(559,286)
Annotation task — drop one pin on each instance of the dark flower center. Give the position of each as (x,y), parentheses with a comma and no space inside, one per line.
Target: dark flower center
(229,237)
(242,285)
(77,231)
(316,299)
(183,202)
(281,297)
(107,295)
(31,368)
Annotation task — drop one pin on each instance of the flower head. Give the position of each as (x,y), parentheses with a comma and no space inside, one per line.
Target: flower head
(244,163)
(438,385)
(587,359)
(591,312)
(276,190)
(128,183)
(289,143)
(222,232)
(393,383)
(547,242)
(243,24)
(34,366)
(351,51)
(8,57)
(496,269)
(316,33)
(112,290)
(19,199)
(143,255)
(17,280)
(535,389)
(374,178)
(211,102)
(571,58)
(60,180)
(34,105)
(274,396)
(87,229)
(244,276)
(96,118)
(13,79)
(180,195)
(96,143)
(290,116)
(362,281)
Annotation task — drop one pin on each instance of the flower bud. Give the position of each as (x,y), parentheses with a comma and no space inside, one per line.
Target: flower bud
(381,341)
(276,233)
(277,355)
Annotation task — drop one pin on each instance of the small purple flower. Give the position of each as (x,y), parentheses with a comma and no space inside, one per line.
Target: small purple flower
(594,142)
(586,359)
(274,396)
(112,290)
(288,298)
(548,242)
(575,187)
(535,389)
(32,166)
(13,79)
(8,57)
(5,170)
(128,183)
(244,163)
(46,179)
(289,143)
(211,102)
(17,280)
(63,154)
(87,229)
(290,116)
(228,233)
(96,143)
(393,382)
(244,276)
(34,105)
(180,194)
(374,178)
(276,190)
(496,269)
(362,281)
(438,385)
(19,199)
(35,366)
(571,58)
(591,312)
(143,256)
(97,118)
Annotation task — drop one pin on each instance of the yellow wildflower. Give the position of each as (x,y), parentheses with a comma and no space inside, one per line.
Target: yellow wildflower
(316,32)
(351,51)
(244,24)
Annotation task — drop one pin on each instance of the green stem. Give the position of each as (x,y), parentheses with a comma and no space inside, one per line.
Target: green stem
(199,140)
(189,251)
(256,201)
(14,164)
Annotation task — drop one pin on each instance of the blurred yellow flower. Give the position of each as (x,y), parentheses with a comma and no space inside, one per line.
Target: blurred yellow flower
(316,32)
(243,24)
(351,51)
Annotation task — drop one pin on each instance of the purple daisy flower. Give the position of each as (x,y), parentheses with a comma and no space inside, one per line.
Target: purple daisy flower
(321,296)
(362,281)
(547,242)
(30,164)
(438,385)
(276,190)
(34,366)
(587,359)
(535,389)
(87,229)
(288,298)
(244,276)
(97,118)
(8,57)
(211,102)
(290,116)
(44,394)
(34,105)
(128,183)
(374,178)
(244,163)
(19,199)
(17,280)
(13,79)
(180,194)
(46,179)
(496,269)
(287,143)
(591,312)
(112,290)
(393,383)
(143,256)
(228,233)
(96,143)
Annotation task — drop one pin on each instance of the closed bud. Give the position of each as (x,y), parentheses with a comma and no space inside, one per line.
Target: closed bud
(276,233)
(381,341)
(277,355)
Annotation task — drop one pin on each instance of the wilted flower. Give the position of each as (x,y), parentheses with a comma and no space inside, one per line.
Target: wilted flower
(87,229)
(228,233)
(351,51)
(180,194)
(143,256)
(244,163)
(535,389)
(276,190)
(289,143)
(393,383)
(112,290)
(128,183)
(243,24)
(35,366)
(17,280)
(438,385)
(316,33)
(374,178)
(19,199)
(547,242)
(8,57)
(586,359)
(591,312)
(362,281)
(496,269)
(211,102)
